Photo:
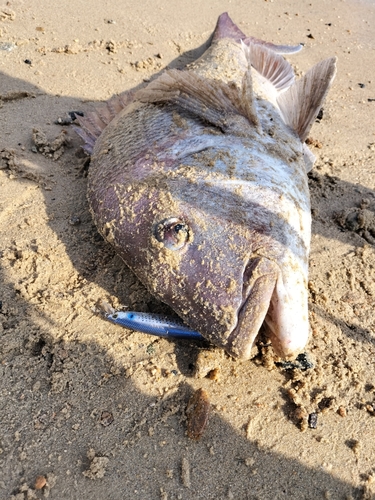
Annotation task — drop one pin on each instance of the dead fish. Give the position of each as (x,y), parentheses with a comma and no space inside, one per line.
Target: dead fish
(199,182)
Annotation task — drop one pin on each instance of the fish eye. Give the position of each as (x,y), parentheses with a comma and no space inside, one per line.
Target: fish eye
(179,227)
(174,233)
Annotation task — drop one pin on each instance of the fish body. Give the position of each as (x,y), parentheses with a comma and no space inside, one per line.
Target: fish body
(199,182)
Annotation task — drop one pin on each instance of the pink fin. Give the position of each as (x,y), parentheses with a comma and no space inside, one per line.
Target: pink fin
(211,100)
(309,157)
(279,49)
(88,138)
(300,104)
(93,123)
(273,67)
(225,28)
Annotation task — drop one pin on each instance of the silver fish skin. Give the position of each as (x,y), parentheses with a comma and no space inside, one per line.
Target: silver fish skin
(199,181)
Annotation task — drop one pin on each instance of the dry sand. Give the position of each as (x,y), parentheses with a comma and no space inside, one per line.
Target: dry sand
(98,411)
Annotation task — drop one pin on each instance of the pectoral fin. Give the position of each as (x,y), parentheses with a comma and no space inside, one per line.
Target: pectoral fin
(272,67)
(309,158)
(300,104)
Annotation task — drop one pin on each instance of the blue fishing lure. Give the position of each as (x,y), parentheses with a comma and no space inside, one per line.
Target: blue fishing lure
(154,324)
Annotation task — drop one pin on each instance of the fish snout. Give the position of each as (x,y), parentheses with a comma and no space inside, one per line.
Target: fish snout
(287,322)
(276,301)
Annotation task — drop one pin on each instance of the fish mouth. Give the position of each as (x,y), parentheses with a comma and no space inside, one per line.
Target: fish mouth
(259,281)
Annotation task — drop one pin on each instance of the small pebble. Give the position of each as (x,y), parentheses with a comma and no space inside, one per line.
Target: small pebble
(27,61)
(74,220)
(40,482)
(73,114)
(185,472)
(63,121)
(370,408)
(7,46)
(69,119)
(313,420)
(342,411)
(214,374)
(320,114)
(302,362)
(354,445)
(198,412)
(106,418)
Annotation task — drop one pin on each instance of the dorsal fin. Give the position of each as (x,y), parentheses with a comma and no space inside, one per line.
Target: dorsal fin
(212,100)
(300,104)
(93,123)
(271,66)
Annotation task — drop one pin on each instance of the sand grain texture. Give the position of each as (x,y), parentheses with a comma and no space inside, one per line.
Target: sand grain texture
(98,411)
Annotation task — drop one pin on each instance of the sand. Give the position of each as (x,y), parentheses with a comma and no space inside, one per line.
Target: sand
(89,410)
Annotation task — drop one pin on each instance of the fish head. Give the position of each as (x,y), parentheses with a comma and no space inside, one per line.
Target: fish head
(197,248)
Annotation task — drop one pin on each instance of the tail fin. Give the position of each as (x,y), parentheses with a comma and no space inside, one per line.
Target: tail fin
(225,28)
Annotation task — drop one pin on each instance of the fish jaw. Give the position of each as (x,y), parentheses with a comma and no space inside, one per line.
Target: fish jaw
(260,278)
(287,323)
(278,303)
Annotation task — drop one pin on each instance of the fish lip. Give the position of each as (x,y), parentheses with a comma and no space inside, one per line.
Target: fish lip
(236,332)
(241,339)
